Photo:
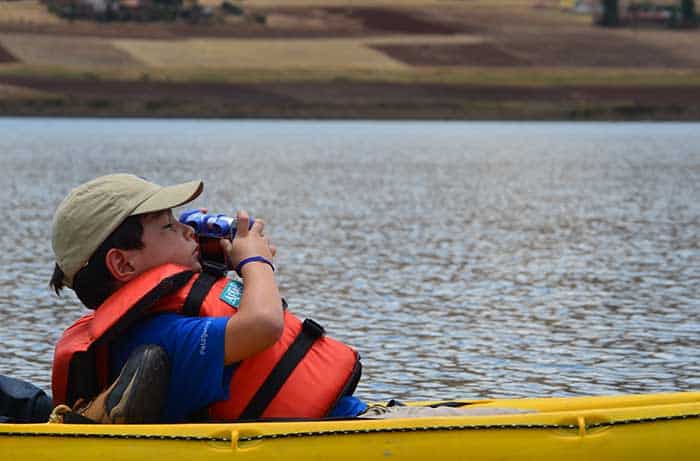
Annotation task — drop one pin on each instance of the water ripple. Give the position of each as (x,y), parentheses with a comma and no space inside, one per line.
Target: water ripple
(461,259)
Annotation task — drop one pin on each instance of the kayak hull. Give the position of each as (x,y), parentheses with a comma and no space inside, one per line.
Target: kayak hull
(655,426)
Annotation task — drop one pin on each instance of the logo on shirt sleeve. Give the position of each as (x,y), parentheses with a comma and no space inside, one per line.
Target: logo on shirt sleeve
(232,293)
(203,338)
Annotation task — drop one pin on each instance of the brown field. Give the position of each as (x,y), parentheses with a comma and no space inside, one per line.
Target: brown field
(20,93)
(71,52)
(386,20)
(26,11)
(262,54)
(371,58)
(518,34)
(452,55)
(346,99)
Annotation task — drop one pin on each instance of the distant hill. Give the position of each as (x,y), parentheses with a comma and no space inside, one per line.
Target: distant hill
(430,55)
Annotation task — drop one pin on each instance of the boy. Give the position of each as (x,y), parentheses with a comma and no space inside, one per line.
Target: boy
(227,348)
(184,341)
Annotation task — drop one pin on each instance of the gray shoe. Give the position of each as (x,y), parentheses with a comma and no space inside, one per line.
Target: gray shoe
(138,394)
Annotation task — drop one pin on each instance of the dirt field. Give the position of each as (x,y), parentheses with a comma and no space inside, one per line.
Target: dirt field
(70,52)
(347,99)
(342,93)
(26,11)
(262,54)
(21,93)
(519,34)
(481,54)
(387,20)
(365,58)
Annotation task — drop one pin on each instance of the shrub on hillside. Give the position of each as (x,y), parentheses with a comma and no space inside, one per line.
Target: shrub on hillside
(231,8)
(116,10)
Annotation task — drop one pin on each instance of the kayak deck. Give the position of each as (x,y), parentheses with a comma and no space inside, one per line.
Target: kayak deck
(654,426)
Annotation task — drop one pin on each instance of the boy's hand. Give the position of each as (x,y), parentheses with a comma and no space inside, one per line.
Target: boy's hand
(259,322)
(248,243)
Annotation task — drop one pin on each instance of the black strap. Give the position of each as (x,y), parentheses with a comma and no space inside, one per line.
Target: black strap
(82,371)
(200,288)
(310,332)
(199,291)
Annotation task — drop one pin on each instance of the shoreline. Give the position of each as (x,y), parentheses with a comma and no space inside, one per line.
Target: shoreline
(493,113)
(347,100)
(602,115)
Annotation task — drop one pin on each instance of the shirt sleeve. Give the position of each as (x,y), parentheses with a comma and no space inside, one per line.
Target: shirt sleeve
(348,406)
(195,348)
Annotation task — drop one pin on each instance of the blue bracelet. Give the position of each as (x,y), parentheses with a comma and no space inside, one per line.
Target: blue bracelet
(253,259)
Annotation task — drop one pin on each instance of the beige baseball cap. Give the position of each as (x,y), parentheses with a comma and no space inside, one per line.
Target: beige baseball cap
(92,211)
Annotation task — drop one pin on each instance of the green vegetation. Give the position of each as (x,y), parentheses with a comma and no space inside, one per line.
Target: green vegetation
(680,15)
(688,11)
(146,11)
(484,76)
(610,16)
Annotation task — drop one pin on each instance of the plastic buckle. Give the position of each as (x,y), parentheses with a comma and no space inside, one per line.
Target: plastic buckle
(214,268)
(313,329)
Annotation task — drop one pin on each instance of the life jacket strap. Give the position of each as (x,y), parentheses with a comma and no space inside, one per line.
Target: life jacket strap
(200,288)
(296,352)
(309,333)
(88,371)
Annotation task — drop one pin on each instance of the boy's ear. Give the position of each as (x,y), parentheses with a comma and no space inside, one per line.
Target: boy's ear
(118,264)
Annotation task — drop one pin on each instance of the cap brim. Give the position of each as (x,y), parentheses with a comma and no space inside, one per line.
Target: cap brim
(170,197)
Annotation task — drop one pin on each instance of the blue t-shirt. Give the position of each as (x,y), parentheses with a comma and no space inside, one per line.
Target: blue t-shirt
(195,348)
(348,406)
(198,376)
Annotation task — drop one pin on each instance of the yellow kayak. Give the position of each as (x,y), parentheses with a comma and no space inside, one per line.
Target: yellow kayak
(632,427)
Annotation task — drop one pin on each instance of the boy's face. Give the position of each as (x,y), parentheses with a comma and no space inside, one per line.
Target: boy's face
(166,240)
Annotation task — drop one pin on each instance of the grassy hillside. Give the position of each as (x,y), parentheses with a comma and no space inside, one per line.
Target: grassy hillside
(374,58)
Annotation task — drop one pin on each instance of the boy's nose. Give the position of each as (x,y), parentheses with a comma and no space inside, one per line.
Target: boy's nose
(188,232)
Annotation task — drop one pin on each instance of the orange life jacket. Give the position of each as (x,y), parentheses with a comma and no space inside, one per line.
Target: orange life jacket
(302,375)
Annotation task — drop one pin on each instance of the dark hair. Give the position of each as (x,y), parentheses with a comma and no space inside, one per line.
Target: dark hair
(94,283)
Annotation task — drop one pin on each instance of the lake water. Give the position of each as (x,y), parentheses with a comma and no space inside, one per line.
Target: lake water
(461,259)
